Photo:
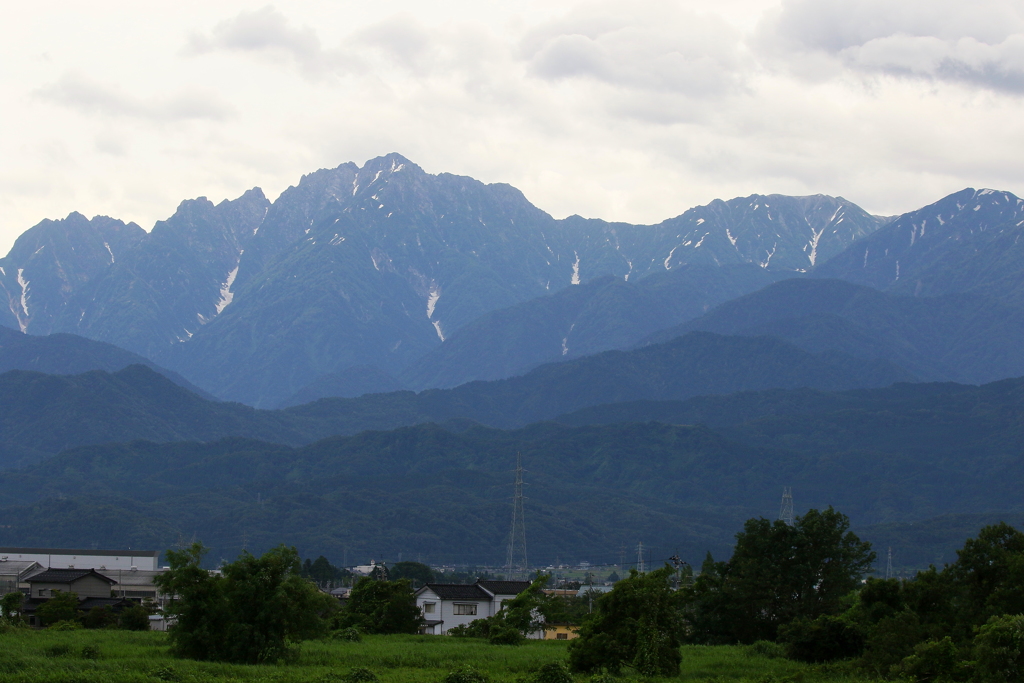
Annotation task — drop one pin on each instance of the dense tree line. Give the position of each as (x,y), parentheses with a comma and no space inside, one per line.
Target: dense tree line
(799,591)
(788,590)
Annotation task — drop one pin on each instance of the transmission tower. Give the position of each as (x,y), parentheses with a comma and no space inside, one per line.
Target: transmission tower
(640,557)
(786,511)
(516,566)
(888,565)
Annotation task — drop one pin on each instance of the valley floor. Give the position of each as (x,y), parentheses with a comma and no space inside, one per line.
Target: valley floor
(126,657)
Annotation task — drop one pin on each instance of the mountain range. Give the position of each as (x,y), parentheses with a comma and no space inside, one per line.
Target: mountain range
(254,300)
(42,414)
(354,362)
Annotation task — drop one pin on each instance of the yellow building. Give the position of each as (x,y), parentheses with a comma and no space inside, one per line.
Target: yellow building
(560,631)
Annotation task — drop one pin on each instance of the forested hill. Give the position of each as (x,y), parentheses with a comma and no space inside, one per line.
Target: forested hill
(888,457)
(43,414)
(963,337)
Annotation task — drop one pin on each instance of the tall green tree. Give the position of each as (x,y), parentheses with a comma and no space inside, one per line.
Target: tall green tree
(778,573)
(987,578)
(251,612)
(10,604)
(417,573)
(61,607)
(381,607)
(638,623)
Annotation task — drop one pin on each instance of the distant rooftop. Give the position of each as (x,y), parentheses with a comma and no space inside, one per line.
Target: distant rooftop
(79,551)
(67,576)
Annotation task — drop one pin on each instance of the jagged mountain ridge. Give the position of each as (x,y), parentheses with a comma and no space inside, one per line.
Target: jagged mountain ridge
(53,261)
(255,299)
(968,241)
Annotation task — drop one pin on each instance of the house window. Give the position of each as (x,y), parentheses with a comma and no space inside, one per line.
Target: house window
(561,636)
(465,609)
(428,607)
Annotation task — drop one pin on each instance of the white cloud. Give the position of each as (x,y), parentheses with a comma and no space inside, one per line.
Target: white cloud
(621,111)
(78,91)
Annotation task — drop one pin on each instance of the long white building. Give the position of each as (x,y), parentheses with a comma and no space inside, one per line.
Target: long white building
(64,558)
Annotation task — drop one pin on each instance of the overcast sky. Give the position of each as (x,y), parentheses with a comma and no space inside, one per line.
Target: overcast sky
(622,110)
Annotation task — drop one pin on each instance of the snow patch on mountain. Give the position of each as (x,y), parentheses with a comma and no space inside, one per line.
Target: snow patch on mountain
(565,340)
(109,252)
(226,295)
(437,328)
(24,295)
(432,297)
(576,270)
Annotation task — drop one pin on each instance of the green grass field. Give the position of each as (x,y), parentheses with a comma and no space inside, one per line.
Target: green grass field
(128,657)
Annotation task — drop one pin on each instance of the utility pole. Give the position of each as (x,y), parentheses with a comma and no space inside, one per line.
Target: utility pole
(516,565)
(640,557)
(590,593)
(888,565)
(786,511)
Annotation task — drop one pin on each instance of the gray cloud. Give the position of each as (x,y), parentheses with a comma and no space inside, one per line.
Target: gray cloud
(77,91)
(652,46)
(402,39)
(979,43)
(269,33)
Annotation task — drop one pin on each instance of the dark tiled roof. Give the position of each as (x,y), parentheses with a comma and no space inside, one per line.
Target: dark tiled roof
(458,591)
(67,576)
(505,587)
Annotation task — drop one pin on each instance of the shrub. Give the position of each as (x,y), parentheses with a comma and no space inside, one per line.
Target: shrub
(766,649)
(555,672)
(61,607)
(638,623)
(90,652)
(349,635)
(465,674)
(478,628)
(999,650)
(166,673)
(505,635)
(99,617)
(65,626)
(934,661)
(892,639)
(825,639)
(58,650)
(134,618)
(360,675)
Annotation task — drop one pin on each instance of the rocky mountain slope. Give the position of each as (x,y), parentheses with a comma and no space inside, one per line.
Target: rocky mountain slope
(371,266)
(966,242)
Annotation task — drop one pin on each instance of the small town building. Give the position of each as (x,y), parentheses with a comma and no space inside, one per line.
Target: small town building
(87,583)
(447,605)
(560,631)
(13,574)
(64,558)
(92,588)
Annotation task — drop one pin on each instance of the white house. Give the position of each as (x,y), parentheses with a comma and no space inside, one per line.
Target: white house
(446,605)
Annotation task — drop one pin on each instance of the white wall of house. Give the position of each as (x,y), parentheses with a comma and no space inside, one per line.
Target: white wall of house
(451,612)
